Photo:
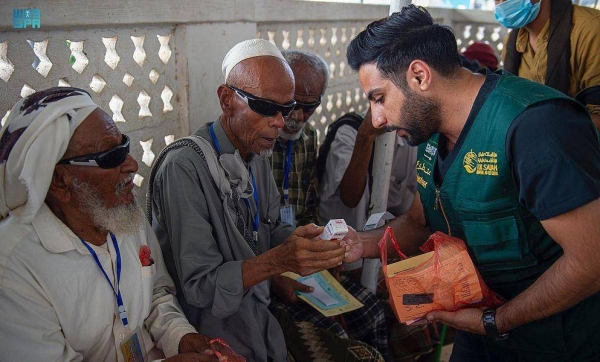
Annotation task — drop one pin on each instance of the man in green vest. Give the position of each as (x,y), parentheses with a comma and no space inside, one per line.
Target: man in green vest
(511,167)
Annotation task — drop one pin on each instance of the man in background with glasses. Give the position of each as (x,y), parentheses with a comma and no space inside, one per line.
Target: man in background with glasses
(295,152)
(81,274)
(215,209)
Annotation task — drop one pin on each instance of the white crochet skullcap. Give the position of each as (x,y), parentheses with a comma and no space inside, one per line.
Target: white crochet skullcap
(248,49)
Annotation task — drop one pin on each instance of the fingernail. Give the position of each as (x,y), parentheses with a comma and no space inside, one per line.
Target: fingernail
(340,263)
(311,289)
(430,318)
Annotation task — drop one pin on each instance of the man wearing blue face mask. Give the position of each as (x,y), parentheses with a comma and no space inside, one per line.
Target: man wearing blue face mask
(555,43)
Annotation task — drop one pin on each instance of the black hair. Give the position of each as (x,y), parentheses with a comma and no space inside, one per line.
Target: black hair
(394,42)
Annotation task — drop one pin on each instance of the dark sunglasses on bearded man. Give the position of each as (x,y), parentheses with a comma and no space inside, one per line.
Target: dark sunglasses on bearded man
(263,106)
(106,159)
(308,107)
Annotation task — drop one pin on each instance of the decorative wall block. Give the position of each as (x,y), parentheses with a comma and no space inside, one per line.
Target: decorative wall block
(128,79)
(311,38)
(479,35)
(496,34)
(338,102)
(334,38)
(342,68)
(344,37)
(148,156)
(323,39)
(41,62)
(166,96)
(285,44)
(97,84)
(6,66)
(63,83)
(154,75)
(80,60)
(139,54)
(329,105)
(26,90)
(116,105)
(111,57)
(138,180)
(299,40)
(271,35)
(4,118)
(144,102)
(164,53)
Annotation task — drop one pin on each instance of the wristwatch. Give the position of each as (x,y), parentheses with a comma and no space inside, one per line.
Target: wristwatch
(489,324)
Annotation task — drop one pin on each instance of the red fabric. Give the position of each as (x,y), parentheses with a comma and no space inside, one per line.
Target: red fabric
(224,352)
(145,257)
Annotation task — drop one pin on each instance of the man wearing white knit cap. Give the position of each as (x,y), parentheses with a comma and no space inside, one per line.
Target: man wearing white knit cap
(81,273)
(215,209)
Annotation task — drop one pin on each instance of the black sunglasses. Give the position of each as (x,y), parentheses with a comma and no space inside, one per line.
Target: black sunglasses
(107,159)
(263,106)
(308,107)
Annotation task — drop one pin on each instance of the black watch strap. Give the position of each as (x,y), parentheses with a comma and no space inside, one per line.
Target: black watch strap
(489,324)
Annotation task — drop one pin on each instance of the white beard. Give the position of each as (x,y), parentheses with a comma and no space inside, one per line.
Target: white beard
(292,124)
(122,219)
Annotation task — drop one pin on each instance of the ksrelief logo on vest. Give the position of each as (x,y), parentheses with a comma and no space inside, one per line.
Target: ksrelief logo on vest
(481,163)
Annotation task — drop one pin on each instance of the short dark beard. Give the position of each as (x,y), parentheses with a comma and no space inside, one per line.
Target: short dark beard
(423,118)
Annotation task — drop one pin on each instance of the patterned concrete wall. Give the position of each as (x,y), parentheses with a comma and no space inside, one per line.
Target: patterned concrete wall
(130,73)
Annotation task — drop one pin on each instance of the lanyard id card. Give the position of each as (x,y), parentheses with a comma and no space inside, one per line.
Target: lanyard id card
(133,348)
(286,213)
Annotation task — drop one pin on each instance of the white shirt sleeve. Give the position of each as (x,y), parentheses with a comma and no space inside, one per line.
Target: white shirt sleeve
(166,322)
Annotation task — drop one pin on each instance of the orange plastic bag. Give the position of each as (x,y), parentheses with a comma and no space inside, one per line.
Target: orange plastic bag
(444,278)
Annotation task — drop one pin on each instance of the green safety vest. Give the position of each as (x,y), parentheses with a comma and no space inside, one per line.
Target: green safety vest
(478,201)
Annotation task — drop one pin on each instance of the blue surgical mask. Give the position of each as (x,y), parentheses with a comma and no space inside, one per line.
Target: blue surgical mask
(516,14)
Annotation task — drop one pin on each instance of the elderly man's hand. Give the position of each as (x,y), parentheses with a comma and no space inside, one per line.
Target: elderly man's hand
(304,253)
(194,347)
(285,288)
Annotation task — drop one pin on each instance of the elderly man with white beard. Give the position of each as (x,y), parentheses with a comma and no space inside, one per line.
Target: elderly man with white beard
(81,273)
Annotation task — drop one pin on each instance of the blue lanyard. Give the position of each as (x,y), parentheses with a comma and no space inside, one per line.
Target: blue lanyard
(286,173)
(255,221)
(117,291)
(211,129)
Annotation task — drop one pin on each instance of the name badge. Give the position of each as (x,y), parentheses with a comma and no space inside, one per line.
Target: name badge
(286,213)
(133,348)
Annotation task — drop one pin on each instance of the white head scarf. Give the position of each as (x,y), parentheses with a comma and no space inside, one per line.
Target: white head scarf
(248,49)
(33,139)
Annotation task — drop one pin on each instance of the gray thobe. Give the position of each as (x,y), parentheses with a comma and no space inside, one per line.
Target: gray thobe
(205,257)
